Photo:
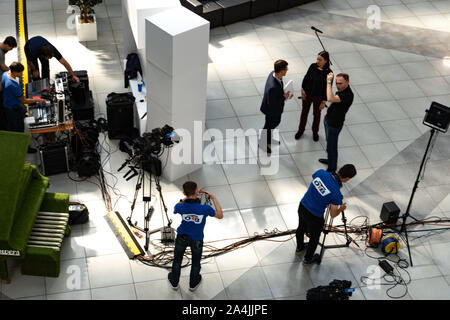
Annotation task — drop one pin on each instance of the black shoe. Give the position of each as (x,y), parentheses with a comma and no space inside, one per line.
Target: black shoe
(169,277)
(300,250)
(315,136)
(314,259)
(298,135)
(193,288)
(269,151)
(324,161)
(31,150)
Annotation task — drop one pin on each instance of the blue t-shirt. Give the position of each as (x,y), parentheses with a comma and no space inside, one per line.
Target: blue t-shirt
(193,217)
(11,92)
(36,43)
(323,190)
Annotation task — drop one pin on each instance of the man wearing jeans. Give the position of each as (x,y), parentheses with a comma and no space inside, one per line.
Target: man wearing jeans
(322,192)
(190,232)
(335,117)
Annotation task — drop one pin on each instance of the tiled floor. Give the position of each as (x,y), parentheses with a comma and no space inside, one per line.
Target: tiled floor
(395,73)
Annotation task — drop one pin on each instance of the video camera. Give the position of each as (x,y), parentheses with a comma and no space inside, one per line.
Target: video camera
(336,290)
(149,143)
(144,151)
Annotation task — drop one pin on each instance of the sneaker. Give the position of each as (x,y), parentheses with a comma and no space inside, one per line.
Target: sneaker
(174,287)
(314,259)
(315,136)
(196,286)
(31,150)
(324,161)
(298,135)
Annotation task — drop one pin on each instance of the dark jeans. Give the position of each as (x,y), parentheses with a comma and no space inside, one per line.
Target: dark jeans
(181,243)
(14,119)
(271,123)
(44,64)
(332,134)
(306,105)
(307,222)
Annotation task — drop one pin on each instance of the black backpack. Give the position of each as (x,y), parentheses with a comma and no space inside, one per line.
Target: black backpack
(78,213)
(132,68)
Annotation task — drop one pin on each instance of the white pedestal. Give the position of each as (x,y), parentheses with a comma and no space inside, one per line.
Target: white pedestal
(138,10)
(176,76)
(86,31)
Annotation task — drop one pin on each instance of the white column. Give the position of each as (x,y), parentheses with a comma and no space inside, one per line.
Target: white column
(177,61)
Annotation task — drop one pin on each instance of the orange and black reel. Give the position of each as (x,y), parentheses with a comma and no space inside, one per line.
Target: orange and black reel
(374,236)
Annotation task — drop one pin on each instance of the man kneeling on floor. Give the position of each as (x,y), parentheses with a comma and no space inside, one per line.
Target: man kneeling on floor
(190,232)
(323,191)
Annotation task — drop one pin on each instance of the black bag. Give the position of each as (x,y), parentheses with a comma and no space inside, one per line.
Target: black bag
(120,114)
(78,213)
(132,68)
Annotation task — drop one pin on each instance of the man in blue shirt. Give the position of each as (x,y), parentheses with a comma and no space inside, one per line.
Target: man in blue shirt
(39,48)
(7,45)
(13,99)
(190,232)
(322,192)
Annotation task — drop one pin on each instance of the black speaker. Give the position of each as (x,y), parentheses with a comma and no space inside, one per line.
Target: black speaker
(389,212)
(84,111)
(120,116)
(437,117)
(54,158)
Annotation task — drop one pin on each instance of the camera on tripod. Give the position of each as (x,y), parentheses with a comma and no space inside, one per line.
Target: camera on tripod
(150,142)
(336,290)
(144,151)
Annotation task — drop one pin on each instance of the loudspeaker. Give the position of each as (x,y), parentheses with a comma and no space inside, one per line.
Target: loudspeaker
(54,158)
(120,117)
(389,212)
(85,111)
(437,117)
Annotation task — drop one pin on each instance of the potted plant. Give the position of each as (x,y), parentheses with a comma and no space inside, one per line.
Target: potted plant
(85,22)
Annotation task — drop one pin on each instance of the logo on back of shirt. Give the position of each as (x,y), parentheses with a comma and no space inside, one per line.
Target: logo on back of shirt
(320,187)
(192,218)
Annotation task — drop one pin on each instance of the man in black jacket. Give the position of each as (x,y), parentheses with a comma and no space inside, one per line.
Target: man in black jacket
(273,101)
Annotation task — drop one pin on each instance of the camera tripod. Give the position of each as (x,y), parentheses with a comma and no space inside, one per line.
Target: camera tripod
(167,232)
(326,231)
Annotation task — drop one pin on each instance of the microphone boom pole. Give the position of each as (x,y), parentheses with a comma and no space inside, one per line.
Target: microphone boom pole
(315,31)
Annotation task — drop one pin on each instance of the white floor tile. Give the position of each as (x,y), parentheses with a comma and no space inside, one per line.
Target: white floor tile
(73,295)
(419,289)
(156,290)
(288,190)
(287,280)
(73,277)
(246,284)
(124,292)
(252,194)
(109,270)
(22,286)
(211,288)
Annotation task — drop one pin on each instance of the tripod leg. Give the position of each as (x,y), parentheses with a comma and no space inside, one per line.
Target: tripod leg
(322,249)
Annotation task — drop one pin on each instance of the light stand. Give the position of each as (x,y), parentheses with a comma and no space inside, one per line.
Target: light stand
(437,118)
(403,228)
